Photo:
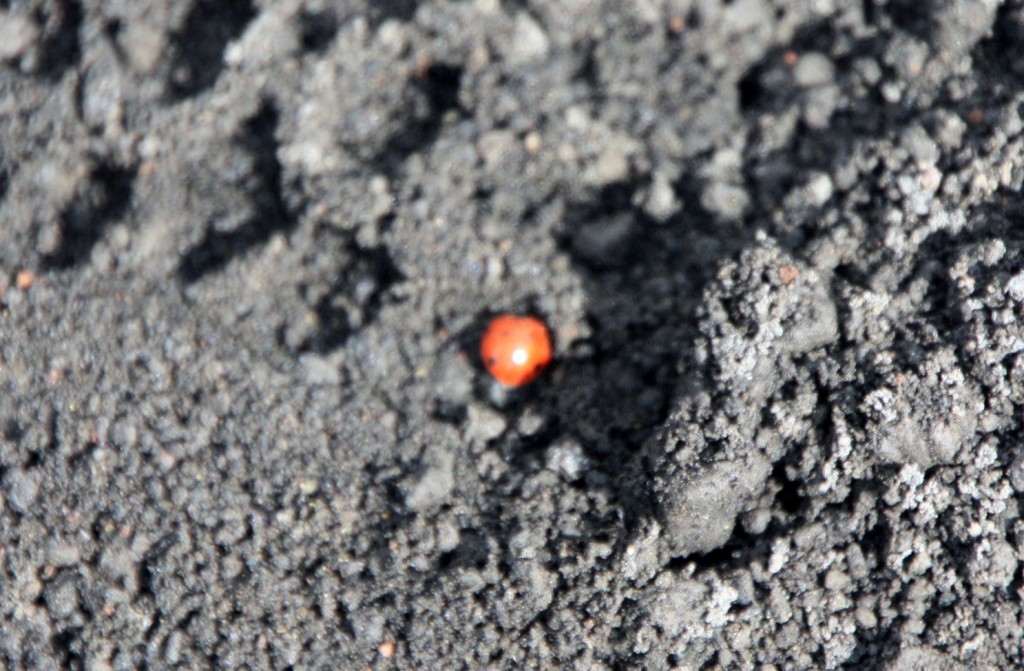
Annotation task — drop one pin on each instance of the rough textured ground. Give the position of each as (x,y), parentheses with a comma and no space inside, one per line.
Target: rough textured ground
(247,248)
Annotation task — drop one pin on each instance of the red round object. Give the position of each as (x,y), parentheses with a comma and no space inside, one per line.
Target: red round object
(515,349)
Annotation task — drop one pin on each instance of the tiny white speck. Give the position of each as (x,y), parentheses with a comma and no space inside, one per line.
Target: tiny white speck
(520,356)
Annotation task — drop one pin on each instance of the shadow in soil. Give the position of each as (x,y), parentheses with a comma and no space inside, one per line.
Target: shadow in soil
(603,400)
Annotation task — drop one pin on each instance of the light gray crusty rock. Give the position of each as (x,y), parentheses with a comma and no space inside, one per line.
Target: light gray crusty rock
(922,658)
(900,429)
(764,310)
(21,487)
(701,508)
(18,34)
(430,486)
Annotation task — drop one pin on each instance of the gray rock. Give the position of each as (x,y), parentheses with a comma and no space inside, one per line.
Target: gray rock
(917,658)
(814,69)
(567,458)
(484,424)
(700,508)
(22,488)
(18,34)
(432,485)
(61,597)
(529,41)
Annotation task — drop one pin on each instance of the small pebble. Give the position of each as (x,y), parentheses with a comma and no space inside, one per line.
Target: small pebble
(22,488)
(484,424)
(62,553)
(1015,287)
(18,34)
(143,45)
(568,460)
(530,422)
(1017,473)
(61,598)
(661,202)
(430,488)
(529,41)
(813,69)
(726,200)
(24,279)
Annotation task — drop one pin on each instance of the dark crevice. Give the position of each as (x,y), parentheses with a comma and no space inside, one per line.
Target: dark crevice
(868,644)
(913,17)
(752,93)
(355,297)
(1000,56)
(734,552)
(344,619)
(100,201)
(869,9)
(317,29)
(441,86)
(149,572)
(264,188)
(60,48)
(197,49)
(448,412)
(788,499)
(588,73)
(511,6)
(79,460)
(13,431)
(472,552)
(112,29)
(438,90)
(34,459)
(68,645)
(396,10)
(1013,590)
(877,539)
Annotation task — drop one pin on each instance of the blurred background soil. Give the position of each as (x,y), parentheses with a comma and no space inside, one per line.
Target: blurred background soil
(247,250)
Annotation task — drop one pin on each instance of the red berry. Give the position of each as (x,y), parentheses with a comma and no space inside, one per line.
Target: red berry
(515,349)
